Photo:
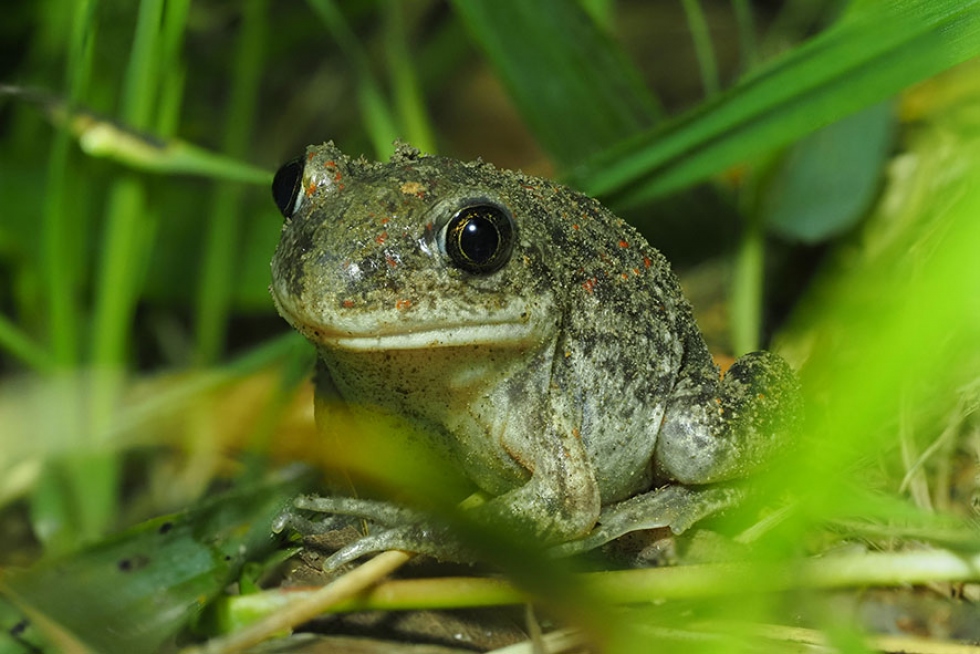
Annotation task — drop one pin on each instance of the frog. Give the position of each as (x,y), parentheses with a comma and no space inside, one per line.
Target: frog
(543,345)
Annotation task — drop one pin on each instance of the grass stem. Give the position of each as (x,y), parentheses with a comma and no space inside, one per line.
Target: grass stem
(703,49)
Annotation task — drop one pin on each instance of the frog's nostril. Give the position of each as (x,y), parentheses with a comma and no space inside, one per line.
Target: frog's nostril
(286,185)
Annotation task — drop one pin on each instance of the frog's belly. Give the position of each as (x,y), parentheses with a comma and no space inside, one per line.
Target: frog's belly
(621,450)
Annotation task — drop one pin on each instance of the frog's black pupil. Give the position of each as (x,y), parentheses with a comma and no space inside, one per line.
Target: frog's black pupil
(479,239)
(286,186)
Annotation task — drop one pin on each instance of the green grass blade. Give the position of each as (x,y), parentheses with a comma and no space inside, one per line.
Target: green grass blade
(747,285)
(223,233)
(172,156)
(100,137)
(15,341)
(58,250)
(867,57)
(378,117)
(747,41)
(576,90)
(126,220)
(703,48)
(405,85)
(129,229)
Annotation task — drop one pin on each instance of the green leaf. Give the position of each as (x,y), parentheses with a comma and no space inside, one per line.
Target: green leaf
(134,591)
(827,180)
(575,88)
(873,53)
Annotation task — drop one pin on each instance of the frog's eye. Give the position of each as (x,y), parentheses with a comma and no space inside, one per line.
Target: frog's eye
(479,238)
(286,185)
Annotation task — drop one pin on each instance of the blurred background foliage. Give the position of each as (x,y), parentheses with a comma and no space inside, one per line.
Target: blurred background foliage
(773,149)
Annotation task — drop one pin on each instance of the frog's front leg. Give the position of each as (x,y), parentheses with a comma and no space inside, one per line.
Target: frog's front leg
(392,528)
(559,501)
(717,430)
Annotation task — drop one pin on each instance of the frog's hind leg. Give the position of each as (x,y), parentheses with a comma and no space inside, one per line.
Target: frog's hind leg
(677,507)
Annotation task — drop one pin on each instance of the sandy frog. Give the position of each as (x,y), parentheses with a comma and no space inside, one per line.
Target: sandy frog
(540,342)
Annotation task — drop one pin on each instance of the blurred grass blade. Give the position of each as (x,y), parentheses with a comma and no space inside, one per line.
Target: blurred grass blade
(703,48)
(379,119)
(22,346)
(575,88)
(133,592)
(873,53)
(407,92)
(221,257)
(101,137)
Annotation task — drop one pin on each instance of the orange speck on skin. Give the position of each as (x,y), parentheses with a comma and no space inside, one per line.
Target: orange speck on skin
(381,238)
(588,285)
(624,244)
(391,261)
(636,271)
(574,225)
(646,262)
(348,304)
(625,275)
(330,164)
(401,305)
(385,221)
(309,156)
(310,189)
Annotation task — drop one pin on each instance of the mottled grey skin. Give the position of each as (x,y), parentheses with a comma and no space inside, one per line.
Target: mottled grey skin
(572,378)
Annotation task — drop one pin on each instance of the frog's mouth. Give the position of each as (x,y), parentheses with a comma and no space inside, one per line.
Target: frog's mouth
(400,334)
(497,334)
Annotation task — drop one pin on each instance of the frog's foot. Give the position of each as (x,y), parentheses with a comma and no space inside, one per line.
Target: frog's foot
(678,507)
(396,528)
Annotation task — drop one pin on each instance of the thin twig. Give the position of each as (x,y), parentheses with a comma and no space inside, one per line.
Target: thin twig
(307,607)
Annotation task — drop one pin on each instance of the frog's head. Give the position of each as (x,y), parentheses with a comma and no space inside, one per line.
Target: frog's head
(413,253)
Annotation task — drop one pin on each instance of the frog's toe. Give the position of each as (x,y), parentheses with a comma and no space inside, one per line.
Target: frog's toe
(392,528)
(336,513)
(418,538)
(384,513)
(290,519)
(677,507)
(367,545)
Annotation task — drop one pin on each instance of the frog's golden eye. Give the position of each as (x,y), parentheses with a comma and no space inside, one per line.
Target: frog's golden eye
(480,238)
(286,186)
